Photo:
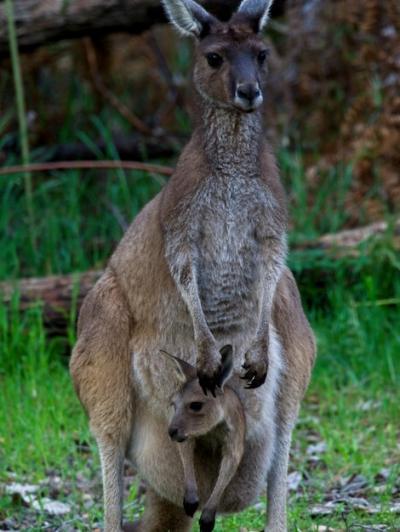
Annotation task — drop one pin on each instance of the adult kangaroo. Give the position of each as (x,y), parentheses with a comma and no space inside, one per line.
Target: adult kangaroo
(201,267)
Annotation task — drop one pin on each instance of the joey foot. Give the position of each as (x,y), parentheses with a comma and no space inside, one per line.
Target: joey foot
(209,367)
(190,503)
(207,520)
(256,366)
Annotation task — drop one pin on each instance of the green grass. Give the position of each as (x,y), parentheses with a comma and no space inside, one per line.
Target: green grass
(42,425)
(353,305)
(69,239)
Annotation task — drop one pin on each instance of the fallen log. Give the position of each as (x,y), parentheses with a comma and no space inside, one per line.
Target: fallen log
(59,294)
(128,147)
(346,243)
(44,21)
(88,165)
(131,147)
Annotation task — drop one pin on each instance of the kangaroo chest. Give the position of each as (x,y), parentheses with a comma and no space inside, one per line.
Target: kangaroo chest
(232,222)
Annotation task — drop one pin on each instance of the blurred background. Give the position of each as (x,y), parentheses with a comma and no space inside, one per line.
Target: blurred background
(108,83)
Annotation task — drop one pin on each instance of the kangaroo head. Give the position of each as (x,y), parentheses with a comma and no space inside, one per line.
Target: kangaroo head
(195,414)
(230,63)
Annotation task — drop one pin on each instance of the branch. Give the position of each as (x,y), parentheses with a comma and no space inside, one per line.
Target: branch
(58,292)
(88,165)
(129,147)
(42,21)
(345,243)
(105,92)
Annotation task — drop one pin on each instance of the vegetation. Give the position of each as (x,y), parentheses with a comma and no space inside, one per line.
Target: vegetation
(348,430)
(352,404)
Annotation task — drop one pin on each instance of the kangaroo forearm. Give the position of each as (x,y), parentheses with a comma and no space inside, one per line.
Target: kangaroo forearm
(185,276)
(186,451)
(226,473)
(273,272)
(190,497)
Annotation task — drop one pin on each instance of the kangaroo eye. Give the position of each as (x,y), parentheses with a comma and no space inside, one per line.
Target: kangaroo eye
(262,56)
(196,406)
(214,60)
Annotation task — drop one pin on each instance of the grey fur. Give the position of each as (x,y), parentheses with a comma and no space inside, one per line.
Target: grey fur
(202,266)
(187,16)
(257,9)
(221,418)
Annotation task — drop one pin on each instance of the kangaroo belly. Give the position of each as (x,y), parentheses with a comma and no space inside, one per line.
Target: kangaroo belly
(229,292)
(229,274)
(156,457)
(232,252)
(158,462)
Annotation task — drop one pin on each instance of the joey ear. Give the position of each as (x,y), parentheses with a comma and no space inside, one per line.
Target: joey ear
(256,11)
(189,17)
(227,364)
(186,371)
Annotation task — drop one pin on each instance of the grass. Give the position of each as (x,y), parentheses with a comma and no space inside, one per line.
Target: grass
(20,104)
(352,404)
(43,428)
(353,304)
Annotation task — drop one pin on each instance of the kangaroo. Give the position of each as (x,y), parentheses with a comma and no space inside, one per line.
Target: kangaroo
(195,416)
(202,266)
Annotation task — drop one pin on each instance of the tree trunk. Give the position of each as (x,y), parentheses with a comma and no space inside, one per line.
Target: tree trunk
(43,21)
(61,293)
(130,147)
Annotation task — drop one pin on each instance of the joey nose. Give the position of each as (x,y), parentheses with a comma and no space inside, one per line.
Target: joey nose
(248,96)
(173,433)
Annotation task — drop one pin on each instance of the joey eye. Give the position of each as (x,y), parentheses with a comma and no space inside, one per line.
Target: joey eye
(214,60)
(262,56)
(196,406)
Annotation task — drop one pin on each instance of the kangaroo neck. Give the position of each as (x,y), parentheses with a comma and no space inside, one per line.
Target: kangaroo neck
(231,139)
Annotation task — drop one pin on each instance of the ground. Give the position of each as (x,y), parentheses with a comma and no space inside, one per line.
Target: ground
(344,468)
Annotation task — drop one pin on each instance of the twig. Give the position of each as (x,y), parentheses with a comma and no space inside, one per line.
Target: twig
(123,223)
(162,64)
(23,128)
(378,302)
(163,70)
(87,165)
(278,27)
(123,110)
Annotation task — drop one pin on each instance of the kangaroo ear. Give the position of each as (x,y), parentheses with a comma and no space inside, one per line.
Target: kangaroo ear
(256,11)
(189,17)
(186,371)
(227,364)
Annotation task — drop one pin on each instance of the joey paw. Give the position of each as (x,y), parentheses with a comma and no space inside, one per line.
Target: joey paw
(190,504)
(207,520)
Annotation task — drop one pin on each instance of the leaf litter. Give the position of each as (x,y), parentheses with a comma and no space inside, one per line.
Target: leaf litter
(54,501)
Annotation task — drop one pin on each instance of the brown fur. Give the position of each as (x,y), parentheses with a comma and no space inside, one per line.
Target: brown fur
(200,267)
(221,418)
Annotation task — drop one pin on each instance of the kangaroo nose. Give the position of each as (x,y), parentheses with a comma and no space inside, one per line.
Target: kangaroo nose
(248,92)
(248,96)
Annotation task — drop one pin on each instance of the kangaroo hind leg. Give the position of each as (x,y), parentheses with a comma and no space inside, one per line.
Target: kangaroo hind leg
(101,371)
(160,515)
